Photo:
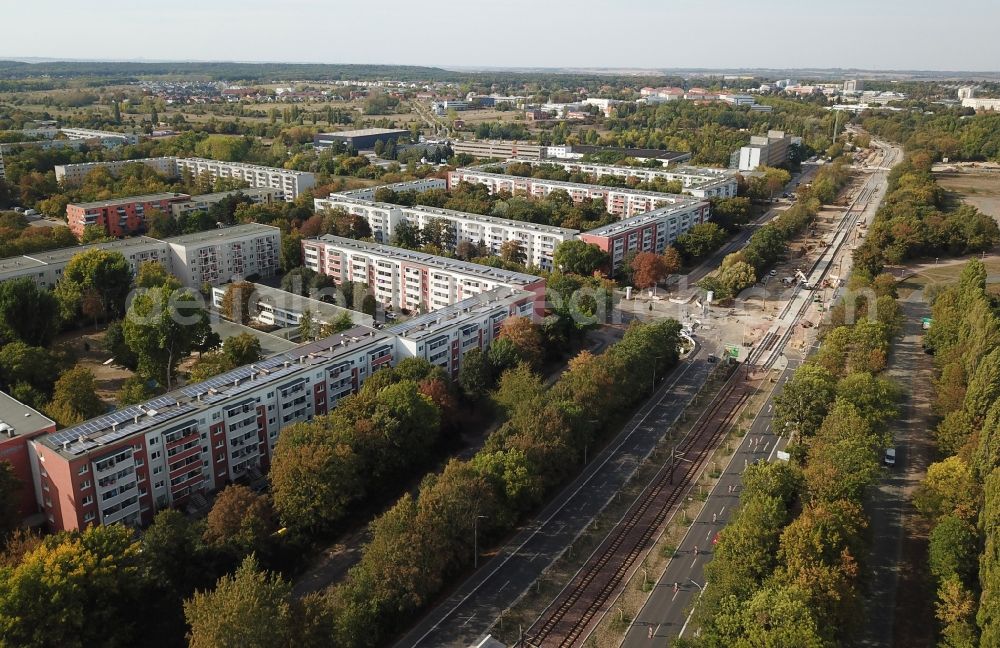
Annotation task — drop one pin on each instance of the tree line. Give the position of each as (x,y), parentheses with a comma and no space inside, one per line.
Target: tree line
(915,220)
(788,569)
(740,270)
(426,540)
(960,494)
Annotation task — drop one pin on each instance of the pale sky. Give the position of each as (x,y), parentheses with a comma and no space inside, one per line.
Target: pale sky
(867,34)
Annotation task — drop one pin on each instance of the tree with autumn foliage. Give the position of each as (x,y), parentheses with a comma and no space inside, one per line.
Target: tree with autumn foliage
(648,269)
(525,337)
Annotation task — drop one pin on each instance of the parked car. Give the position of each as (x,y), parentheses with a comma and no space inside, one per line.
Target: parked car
(890,457)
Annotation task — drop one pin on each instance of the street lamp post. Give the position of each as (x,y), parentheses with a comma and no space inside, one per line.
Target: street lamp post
(655,360)
(475,540)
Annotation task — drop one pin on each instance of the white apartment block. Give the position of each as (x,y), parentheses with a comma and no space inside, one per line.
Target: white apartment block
(538,241)
(981,103)
(499,149)
(290,183)
(276,307)
(126,465)
(108,138)
(701,182)
(204,202)
(215,256)
(619,201)
(74,174)
(407,280)
(46,268)
(226,254)
(443,337)
(649,232)
(425,184)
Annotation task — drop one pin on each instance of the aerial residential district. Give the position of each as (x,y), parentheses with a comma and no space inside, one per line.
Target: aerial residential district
(492,354)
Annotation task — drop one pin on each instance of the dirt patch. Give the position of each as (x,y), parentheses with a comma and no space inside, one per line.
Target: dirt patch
(87,346)
(979,189)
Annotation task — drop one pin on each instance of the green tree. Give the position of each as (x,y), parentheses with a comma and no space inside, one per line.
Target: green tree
(579,257)
(843,457)
(134,390)
(162,327)
(736,277)
(240,518)
(242,349)
(76,589)
(153,274)
(307,328)
(291,251)
(700,241)
(474,376)
(36,367)
(102,272)
(27,313)
(525,337)
(249,609)
(313,479)
(75,398)
(952,549)
(10,489)
(803,402)
(236,302)
(948,488)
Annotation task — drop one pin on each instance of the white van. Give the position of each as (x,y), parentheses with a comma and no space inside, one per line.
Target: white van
(890,457)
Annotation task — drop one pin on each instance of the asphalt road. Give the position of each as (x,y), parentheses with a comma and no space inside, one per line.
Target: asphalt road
(667,611)
(472,608)
(740,239)
(889,503)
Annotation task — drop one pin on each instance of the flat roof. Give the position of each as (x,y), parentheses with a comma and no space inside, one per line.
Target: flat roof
(131,199)
(222,233)
(20,417)
(641,219)
(188,401)
(439,262)
(362,132)
(16,264)
(431,323)
(673,198)
(219,195)
(493,220)
(321,309)
(657,154)
(60,255)
(440,211)
(242,165)
(708,174)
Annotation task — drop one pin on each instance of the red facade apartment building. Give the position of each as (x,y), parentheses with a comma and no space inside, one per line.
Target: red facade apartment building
(19,424)
(126,465)
(120,216)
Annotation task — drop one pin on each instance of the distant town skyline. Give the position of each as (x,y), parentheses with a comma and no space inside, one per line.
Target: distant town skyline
(638,34)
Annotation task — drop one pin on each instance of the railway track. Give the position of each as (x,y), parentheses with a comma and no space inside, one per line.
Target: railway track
(576,609)
(568,620)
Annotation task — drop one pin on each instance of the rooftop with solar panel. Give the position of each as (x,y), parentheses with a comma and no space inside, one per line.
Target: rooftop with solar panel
(103,430)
